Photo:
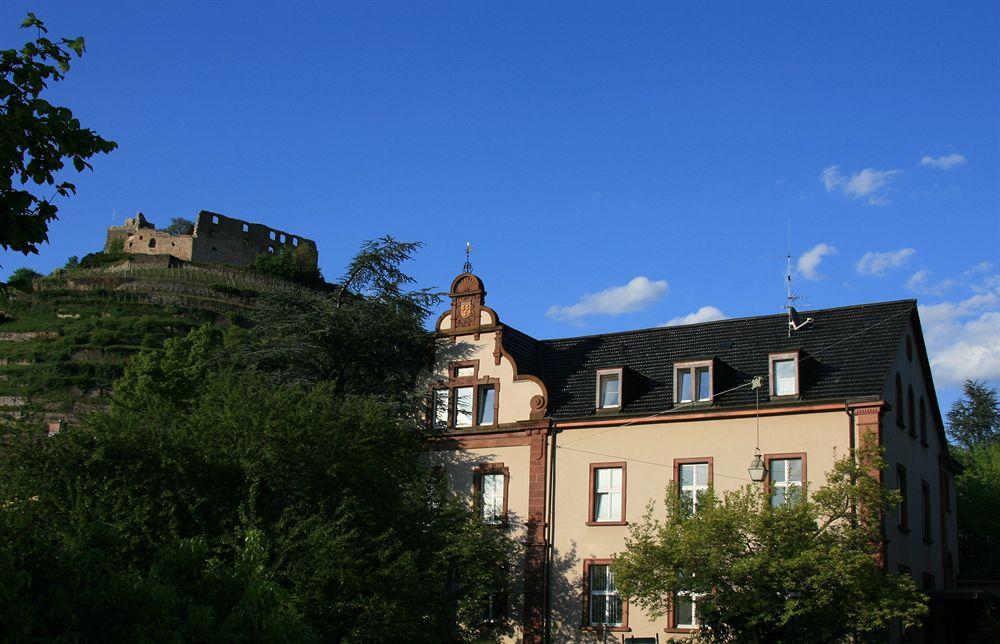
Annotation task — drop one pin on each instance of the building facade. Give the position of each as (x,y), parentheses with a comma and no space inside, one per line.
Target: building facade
(567,440)
(214,239)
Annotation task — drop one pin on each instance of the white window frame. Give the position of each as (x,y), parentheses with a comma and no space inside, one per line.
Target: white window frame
(692,369)
(481,406)
(609,596)
(492,507)
(688,597)
(441,408)
(615,496)
(694,488)
(460,412)
(602,375)
(773,360)
(785,484)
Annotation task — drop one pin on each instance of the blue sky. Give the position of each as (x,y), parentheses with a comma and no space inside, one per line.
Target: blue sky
(615,166)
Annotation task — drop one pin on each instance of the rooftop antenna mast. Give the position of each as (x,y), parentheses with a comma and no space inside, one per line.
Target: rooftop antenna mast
(791,297)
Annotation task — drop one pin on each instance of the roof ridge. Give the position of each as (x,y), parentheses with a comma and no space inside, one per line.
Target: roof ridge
(911,301)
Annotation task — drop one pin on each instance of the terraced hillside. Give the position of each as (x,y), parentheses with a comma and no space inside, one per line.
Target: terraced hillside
(66,337)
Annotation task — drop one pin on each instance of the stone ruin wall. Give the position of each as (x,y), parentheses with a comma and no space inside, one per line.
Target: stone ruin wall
(216,239)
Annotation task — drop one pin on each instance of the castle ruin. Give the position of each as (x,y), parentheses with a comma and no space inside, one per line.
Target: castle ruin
(215,239)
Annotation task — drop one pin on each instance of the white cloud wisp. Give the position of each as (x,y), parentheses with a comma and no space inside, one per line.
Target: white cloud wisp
(878,263)
(639,293)
(808,263)
(704,314)
(868,185)
(945,162)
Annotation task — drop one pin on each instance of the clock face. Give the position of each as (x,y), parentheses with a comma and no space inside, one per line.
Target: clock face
(465,310)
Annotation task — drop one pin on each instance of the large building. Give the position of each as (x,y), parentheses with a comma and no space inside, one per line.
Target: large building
(567,440)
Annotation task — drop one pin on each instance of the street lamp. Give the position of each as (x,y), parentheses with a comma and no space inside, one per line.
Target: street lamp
(757,469)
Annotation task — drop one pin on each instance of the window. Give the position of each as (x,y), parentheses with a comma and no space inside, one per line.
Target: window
(784,374)
(923,422)
(604,604)
(272,235)
(684,613)
(246,228)
(686,394)
(487,405)
(925,511)
(693,382)
(492,500)
(463,406)
(945,491)
(609,388)
(607,503)
(786,475)
(903,518)
(927,581)
(440,408)
(215,219)
(900,422)
(692,476)
(152,242)
(686,610)
(911,416)
(465,400)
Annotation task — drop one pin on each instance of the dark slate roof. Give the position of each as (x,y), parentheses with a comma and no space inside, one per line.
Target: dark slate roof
(846,354)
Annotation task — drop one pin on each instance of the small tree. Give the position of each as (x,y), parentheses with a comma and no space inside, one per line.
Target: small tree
(974,420)
(179,226)
(806,570)
(38,137)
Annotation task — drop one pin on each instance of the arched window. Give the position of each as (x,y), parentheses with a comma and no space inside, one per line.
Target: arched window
(152,242)
(900,421)
(923,422)
(911,412)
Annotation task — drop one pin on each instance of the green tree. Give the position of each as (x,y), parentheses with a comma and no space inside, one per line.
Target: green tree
(974,427)
(974,419)
(179,226)
(802,571)
(37,137)
(217,502)
(286,264)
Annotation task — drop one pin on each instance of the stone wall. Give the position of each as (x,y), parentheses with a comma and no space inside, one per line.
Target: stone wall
(215,239)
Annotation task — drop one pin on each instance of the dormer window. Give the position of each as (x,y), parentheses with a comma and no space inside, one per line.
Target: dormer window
(609,388)
(693,382)
(784,374)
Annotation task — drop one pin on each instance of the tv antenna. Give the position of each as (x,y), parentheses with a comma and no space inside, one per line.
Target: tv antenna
(791,296)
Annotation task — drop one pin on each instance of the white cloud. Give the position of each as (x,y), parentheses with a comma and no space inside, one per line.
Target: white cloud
(920,282)
(808,264)
(704,314)
(946,162)
(639,293)
(963,338)
(871,186)
(878,263)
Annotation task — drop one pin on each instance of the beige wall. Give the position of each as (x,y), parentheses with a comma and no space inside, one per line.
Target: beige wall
(514,396)
(649,451)
(459,466)
(922,463)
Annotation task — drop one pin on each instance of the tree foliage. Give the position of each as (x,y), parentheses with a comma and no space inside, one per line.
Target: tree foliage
(974,425)
(286,264)
(803,571)
(179,226)
(37,137)
(974,419)
(217,501)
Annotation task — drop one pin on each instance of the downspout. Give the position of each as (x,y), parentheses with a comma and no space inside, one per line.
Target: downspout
(549,536)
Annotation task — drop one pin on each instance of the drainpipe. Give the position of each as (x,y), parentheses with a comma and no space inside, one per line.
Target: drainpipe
(549,536)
